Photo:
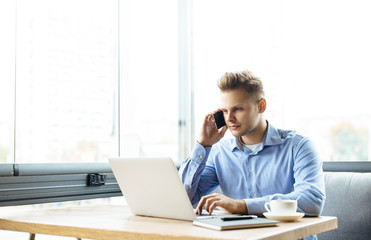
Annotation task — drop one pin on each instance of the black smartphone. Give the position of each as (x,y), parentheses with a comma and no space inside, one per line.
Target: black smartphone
(219,119)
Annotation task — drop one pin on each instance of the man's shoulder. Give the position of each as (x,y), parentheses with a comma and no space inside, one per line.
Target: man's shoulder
(291,136)
(287,134)
(278,136)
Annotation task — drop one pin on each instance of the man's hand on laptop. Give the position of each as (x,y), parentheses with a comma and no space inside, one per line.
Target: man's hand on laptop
(210,202)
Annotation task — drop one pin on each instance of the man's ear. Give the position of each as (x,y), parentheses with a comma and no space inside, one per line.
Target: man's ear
(262,105)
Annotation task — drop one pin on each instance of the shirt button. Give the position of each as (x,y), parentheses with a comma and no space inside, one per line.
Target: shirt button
(250,174)
(251,195)
(200,157)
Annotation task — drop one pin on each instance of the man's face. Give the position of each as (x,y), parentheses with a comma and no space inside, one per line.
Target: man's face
(241,112)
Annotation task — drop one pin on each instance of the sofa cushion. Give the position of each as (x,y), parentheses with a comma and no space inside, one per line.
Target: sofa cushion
(348,197)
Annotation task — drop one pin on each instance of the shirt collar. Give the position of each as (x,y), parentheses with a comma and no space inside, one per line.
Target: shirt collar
(235,144)
(272,137)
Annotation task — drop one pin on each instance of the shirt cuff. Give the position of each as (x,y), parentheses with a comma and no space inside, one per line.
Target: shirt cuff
(200,153)
(256,205)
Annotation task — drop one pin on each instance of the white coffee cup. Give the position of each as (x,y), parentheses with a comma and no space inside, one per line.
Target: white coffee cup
(282,207)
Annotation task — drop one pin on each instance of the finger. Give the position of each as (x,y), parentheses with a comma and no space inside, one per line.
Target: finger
(197,211)
(211,115)
(223,130)
(209,203)
(215,194)
(206,119)
(214,201)
(199,207)
(201,204)
(213,206)
(213,112)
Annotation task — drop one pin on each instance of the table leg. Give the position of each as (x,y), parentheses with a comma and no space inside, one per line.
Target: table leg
(32,236)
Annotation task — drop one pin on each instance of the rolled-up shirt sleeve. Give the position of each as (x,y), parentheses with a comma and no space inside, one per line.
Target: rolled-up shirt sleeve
(309,179)
(190,172)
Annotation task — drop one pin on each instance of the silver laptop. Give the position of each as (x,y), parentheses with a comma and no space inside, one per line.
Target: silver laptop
(152,187)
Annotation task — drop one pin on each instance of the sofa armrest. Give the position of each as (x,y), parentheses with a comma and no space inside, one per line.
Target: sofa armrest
(348,197)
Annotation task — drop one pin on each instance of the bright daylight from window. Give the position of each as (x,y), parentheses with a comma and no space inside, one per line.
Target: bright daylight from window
(313,58)
(66,72)
(62,58)
(66,99)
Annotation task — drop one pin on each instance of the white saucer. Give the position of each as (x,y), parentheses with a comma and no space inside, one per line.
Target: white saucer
(284,218)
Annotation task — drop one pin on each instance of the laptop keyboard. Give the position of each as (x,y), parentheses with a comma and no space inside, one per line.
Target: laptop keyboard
(214,214)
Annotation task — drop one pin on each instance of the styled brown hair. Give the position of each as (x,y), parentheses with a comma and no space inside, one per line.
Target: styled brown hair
(245,79)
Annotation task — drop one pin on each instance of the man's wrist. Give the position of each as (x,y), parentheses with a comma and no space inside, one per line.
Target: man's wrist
(204,144)
(243,208)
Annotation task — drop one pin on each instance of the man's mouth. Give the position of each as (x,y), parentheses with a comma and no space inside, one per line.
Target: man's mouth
(233,127)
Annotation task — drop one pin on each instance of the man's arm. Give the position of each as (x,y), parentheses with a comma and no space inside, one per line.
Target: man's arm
(309,183)
(309,178)
(191,169)
(199,178)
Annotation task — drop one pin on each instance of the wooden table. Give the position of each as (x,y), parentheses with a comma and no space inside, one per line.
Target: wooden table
(108,222)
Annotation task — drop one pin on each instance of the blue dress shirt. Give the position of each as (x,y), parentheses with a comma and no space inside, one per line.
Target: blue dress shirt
(286,166)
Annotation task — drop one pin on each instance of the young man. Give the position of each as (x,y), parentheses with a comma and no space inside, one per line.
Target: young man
(258,164)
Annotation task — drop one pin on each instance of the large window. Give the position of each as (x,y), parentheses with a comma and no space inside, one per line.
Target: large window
(313,58)
(82,81)
(66,94)
(149,78)
(7,46)
(70,93)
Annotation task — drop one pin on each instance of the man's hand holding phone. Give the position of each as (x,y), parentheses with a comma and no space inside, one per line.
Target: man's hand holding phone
(210,134)
(219,119)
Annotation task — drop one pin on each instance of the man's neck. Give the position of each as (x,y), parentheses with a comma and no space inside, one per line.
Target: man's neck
(257,135)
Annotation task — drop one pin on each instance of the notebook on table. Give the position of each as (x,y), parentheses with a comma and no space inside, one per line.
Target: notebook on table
(219,224)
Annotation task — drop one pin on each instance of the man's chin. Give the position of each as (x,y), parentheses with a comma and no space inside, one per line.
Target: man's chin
(236,133)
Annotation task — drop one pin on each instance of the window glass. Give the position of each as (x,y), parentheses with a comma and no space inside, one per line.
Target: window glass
(149,78)
(313,58)
(7,50)
(66,69)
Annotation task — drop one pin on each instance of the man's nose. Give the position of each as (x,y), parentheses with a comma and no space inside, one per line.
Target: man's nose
(229,117)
